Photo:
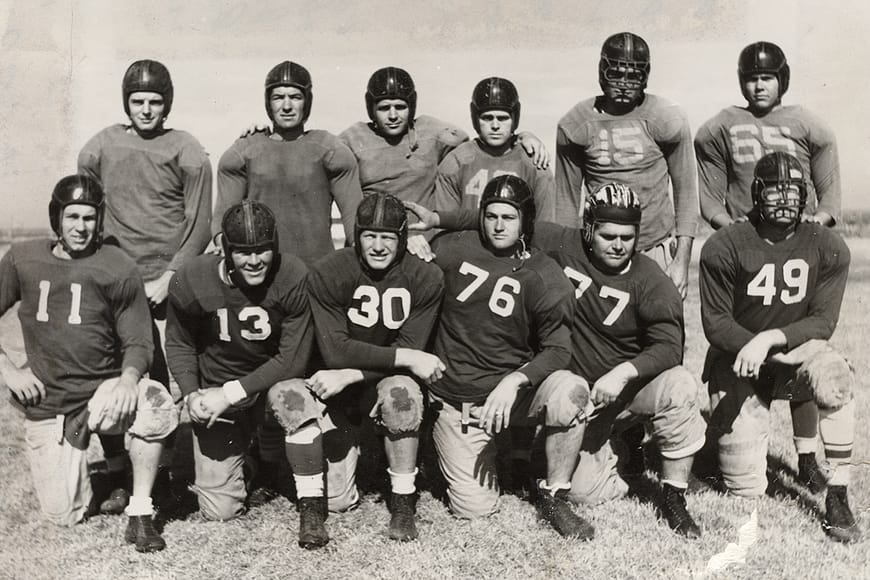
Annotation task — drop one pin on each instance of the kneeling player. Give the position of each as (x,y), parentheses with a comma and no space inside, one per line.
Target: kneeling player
(373,312)
(771,290)
(239,325)
(88,341)
(503,333)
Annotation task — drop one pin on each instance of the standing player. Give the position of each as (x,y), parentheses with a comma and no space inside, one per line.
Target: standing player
(495,114)
(374,311)
(627,336)
(84,316)
(239,325)
(730,144)
(641,140)
(158,208)
(503,333)
(295,172)
(771,290)
(728,147)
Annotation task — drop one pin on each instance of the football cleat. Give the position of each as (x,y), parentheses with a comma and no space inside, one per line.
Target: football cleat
(312,518)
(673,509)
(141,531)
(403,528)
(555,510)
(839,522)
(810,474)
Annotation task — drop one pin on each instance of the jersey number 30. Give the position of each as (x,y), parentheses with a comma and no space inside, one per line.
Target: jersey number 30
(794,275)
(393,307)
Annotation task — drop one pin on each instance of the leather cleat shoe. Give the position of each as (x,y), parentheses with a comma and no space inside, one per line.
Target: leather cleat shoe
(839,522)
(557,511)
(312,530)
(117,501)
(810,474)
(141,531)
(403,528)
(673,509)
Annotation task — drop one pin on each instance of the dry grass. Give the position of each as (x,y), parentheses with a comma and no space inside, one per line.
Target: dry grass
(630,543)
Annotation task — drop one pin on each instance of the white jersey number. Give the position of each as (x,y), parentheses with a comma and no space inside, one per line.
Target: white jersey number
(749,143)
(256,315)
(75,306)
(583,282)
(502,301)
(373,307)
(795,274)
(627,146)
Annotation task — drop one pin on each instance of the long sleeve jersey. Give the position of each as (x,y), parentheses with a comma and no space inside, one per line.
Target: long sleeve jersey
(83,320)
(646,149)
(361,317)
(298,180)
(467,169)
(499,315)
(749,285)
(730,144)
(158,194)
(217,333)
(635,315)
(405,169)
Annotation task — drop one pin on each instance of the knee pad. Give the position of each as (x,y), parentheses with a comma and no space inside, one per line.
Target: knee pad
(400,405)
(292,404)
(830,376)
(156,413)
(568,401)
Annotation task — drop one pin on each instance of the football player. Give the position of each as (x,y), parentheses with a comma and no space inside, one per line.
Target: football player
(495,114)
(503,333)
(771,290)
(84,316)
(239,328)
(158,184)
(730,144)
(296,172)
(627,335)
(628,136)
(373,312)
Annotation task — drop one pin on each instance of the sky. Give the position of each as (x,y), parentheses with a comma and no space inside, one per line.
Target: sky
(63,60)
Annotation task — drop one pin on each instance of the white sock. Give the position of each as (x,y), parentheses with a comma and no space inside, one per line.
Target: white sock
(552,489)
(806,444)
(403,483)
(309,485)
(139,506)
(677,484)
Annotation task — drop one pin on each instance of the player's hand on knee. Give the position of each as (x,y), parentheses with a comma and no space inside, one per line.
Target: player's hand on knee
(198,413)
(419,246)
(214,403)
(428,219)
(425,366)
(26,388)
(609,386)
(328,383)
(535,149)
(754,353)
(125,393)
(255,128)
(496,412)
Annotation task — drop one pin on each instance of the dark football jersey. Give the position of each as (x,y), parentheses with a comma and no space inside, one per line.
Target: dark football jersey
(83,320)
(749,285)
(634,316)
(217,333)
(361,318)
(499,315)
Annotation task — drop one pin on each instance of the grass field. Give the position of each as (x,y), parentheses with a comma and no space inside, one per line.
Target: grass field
(630,542)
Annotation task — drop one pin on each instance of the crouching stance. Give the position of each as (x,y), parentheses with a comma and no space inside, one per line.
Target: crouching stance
(503,331)
(771,290)
(373,312)
(87,336)
(239,325)
(627,345)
